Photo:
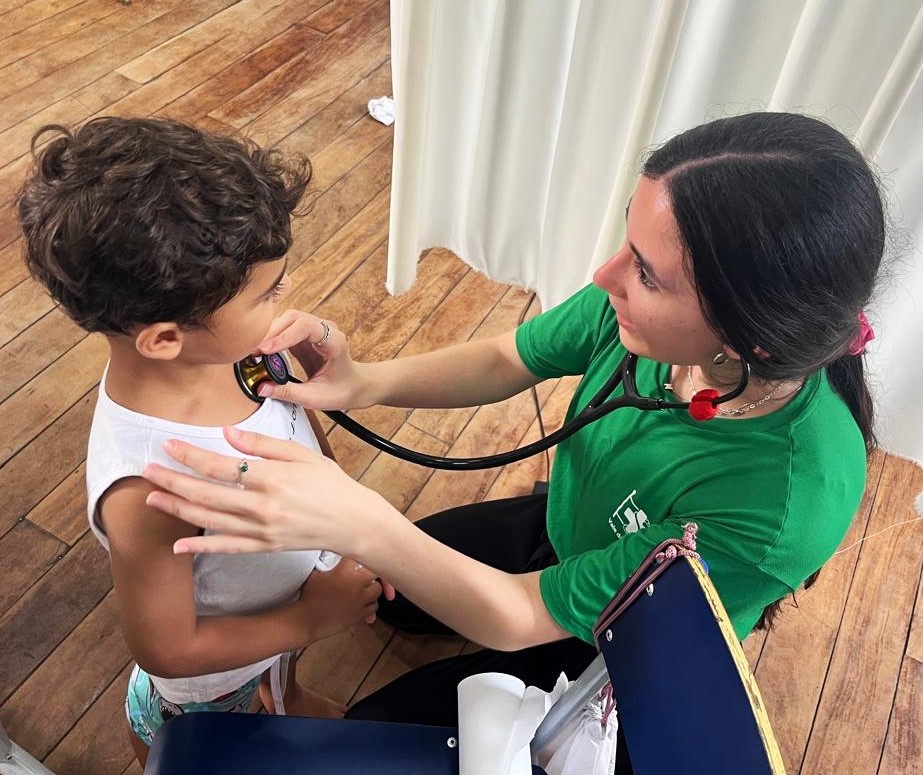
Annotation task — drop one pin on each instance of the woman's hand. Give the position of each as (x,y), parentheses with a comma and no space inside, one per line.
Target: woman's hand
(334,379)
(293,498)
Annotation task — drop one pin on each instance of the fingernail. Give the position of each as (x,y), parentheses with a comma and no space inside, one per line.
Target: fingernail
(234,433)
(264,391)
(169,445)
(178,548)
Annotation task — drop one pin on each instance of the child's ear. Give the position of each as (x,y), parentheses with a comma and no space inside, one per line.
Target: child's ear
(160,341)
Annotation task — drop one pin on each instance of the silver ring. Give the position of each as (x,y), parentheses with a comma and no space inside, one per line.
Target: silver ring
(327,329)
(242,467)
(358,567)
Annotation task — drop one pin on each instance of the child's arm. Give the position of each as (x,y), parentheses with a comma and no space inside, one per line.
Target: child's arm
(154,590)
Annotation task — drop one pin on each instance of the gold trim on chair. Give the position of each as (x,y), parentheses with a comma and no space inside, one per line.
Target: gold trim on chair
(743,666)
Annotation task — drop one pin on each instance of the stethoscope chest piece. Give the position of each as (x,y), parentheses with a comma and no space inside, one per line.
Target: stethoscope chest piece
(255,369)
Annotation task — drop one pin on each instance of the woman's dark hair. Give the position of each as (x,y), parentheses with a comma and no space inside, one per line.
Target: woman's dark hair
(783,229)
(132,221)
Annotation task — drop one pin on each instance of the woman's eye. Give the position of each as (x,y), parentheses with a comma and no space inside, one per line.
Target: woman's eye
(642,275)
(281,288)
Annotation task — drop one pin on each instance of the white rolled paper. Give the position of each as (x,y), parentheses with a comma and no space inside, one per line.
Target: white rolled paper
(490,727)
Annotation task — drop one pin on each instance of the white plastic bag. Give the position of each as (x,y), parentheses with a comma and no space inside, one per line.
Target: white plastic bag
(589,747)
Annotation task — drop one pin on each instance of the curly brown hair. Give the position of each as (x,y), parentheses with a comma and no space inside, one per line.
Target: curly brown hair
(132,221)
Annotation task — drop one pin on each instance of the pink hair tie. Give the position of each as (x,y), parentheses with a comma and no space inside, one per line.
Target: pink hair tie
(865,335)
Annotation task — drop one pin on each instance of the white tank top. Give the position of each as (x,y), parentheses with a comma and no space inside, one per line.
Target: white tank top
(122,443)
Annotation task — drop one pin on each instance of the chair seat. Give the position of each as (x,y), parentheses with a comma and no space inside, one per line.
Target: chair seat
(206,743)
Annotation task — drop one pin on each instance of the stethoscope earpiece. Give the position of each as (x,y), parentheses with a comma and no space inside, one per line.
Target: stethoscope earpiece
(256,369)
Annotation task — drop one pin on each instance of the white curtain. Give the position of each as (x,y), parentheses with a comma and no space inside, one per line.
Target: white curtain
(521,125)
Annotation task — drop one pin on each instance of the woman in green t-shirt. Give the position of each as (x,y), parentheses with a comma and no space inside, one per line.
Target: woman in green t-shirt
(755,238)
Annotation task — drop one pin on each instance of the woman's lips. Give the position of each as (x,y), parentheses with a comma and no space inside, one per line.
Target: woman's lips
(623,322)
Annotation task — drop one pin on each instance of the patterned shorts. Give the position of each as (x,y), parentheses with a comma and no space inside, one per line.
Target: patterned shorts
(147,709)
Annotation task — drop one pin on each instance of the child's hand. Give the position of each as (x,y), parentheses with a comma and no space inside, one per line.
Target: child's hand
(335,599)
(388,590)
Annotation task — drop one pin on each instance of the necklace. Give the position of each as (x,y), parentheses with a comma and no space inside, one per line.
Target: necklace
(740,409)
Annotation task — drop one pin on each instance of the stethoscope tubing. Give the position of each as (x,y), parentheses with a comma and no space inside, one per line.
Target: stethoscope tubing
(596,408)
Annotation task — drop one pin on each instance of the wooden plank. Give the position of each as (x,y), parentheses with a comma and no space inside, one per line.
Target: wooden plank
(915,639)
(11,178)
(101,60)
(291,43)
(33,408)
(63,512)
(519,478)
(903,748)
(98,743)
(32,628)
(335,666)
(797,651)
(16,140)
(30,13)
(753,647)
(404,653)
(349,304)
(355,455)
(60,47)
(249,15)
(67,681)
(229,46)
(53,31)
(863,675)
(27,75)
(494,428)
(55,334)
(313,281)
(338,157)
(43,464)
(22,306)
(327,124)
(455,320)
(335,14)
(96,97)
(12,268)
(26,552)
(397,480)
(133,769)
(340,207)
(277,104)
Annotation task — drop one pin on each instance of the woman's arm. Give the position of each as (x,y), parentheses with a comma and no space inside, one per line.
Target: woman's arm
(154,590)
(496,609)
(469,374)
(478,372)
(503,611)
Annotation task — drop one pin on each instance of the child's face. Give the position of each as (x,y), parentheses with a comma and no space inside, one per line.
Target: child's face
(236,328)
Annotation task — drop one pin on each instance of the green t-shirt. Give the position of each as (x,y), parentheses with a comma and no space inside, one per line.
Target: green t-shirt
(773,496)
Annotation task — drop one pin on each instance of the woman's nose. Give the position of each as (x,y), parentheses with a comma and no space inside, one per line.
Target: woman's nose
(610,275)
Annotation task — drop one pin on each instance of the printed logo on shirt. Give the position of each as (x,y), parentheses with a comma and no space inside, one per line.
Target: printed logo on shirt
(628,517)
(291,435)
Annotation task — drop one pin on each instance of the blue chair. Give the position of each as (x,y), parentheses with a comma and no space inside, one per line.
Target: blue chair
(687,703)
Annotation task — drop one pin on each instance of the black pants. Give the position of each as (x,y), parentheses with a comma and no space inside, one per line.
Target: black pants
(507,534)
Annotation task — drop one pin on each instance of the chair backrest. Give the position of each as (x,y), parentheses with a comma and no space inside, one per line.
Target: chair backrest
(687,700)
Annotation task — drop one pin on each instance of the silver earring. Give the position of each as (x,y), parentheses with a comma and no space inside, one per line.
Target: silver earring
(720,359)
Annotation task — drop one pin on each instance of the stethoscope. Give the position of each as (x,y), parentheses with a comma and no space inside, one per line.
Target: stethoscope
(253,370)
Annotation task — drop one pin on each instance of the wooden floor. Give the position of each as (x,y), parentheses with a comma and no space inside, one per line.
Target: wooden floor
(842,673)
